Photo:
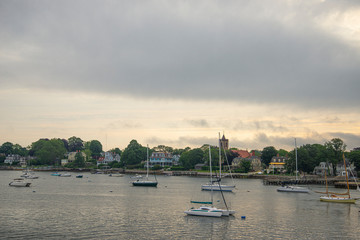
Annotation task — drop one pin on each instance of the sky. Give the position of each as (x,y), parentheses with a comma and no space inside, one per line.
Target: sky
(177,73)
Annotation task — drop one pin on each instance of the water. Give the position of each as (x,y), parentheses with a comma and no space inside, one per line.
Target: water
(103,207)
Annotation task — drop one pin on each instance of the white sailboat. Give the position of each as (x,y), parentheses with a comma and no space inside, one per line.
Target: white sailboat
(208,210)
(216,186)
(290,188)
(146,182)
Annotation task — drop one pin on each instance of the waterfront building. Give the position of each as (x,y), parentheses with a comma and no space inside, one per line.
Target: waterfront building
(108,157)
(71,157)
(323,166)
(163,159)
(244,155)
(15,158)
(277,164)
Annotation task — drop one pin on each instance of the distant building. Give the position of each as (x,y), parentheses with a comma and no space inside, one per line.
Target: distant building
(224,143)
(71,156)
(244,155)
(108,157)
(15,158)
(163,159)
(322,168)
(277,164)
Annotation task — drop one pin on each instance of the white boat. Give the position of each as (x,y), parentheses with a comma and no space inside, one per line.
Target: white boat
(209,210)
(137,176)
(65,175)
(116,175)
(338,197)
(216,186)
(294,189)
(146,182)
(19,182)
(29,175)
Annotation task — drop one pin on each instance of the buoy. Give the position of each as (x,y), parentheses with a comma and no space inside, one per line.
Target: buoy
(243,217)
(34,191)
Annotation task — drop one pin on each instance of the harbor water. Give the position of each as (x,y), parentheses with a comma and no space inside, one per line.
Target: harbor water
(101,207)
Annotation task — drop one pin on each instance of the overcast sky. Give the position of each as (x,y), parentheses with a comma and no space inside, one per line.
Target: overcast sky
(178,72)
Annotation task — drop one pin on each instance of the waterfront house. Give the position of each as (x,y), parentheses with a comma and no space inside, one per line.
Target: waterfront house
(277,164)
(71,156)
(108,157)
(163,159)
(15,158)
(323,166)
(244,155)
(340,169)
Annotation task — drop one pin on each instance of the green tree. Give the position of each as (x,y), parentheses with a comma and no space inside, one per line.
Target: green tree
(133,154)
(75,144)
(95,148)
(354,157)
(6,148)
(336,147)
(79,160)
(190,158)
(267,154)
(116,150)
(245,166)
(283,153)
(48,152)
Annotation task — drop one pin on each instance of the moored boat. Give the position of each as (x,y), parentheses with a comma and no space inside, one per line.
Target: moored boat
(19,182)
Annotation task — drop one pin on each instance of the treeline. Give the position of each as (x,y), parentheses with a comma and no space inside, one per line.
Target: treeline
(51,151)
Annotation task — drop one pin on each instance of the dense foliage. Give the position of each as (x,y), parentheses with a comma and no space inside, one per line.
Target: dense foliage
(133,154)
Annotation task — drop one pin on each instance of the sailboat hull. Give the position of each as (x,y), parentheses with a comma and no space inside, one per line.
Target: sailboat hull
(145,183)
(293,189)
(203,213)
(224,188)
(337,199)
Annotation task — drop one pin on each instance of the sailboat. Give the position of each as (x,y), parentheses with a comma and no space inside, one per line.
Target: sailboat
(215,185)
(338,197)
(146,182)
(295,189)
(207,209)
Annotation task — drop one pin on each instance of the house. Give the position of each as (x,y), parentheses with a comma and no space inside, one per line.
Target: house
(163,159)
(199,166)
(244,155)
(108,157)
(71,156)
(15,158)
(277,164)
(340,169)
(323,166)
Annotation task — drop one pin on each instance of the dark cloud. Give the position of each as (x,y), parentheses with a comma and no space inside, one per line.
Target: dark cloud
(270,53)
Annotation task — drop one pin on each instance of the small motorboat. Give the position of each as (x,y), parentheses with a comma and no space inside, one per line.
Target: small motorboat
(65,175)
(79,176)
(55,174)
(19,182)
(116,175)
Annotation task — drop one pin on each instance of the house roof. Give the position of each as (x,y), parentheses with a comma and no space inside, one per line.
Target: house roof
(242,153)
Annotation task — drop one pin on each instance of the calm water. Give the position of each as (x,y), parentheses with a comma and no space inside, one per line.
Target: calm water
(103,207)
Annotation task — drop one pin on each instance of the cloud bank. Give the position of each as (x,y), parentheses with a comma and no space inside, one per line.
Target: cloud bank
(278,52)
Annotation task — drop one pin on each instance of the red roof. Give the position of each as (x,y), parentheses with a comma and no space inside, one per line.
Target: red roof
(242,153)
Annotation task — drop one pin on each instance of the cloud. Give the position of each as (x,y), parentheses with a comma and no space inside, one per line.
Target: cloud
(281,52)
(197,122)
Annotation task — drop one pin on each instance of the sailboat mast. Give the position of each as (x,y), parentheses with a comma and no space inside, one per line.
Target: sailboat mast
(147,161)
(219,156)
(347,180)
(211,175)
(296,161)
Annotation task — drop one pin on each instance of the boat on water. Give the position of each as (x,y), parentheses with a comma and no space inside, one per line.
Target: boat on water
(215,185)
(19,182)
(56,174)
(29,175)
(65,175)
(294,189)
(290,188)
(146,182)
(79,176)
(338,197)
(116,175)
(136,176)
(207,209)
